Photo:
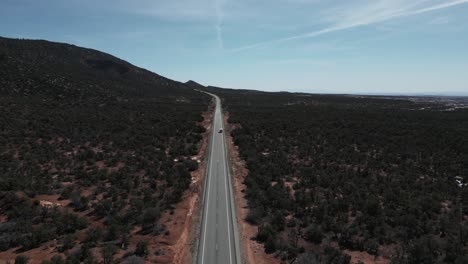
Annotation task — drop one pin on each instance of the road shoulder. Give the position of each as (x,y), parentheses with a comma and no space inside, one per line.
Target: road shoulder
(252,251)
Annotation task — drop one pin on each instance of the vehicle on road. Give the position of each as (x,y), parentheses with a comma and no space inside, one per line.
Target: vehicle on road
(219,241)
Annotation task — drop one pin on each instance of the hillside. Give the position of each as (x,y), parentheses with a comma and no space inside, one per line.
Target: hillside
(93,153)
(39,67)
(195,85)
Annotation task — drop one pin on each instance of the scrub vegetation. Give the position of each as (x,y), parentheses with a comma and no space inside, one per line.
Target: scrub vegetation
(92,151)
(329,174)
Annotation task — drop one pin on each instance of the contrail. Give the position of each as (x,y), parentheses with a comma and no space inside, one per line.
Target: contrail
(351,25)
(219,22)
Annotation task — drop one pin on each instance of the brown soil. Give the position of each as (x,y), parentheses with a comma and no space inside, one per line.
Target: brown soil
(253,252)
(177,244)
(44,252)
(174,246)
(366,258)
(49,249)
(53,199)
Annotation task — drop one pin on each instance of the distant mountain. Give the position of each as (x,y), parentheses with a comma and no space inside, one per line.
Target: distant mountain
(194,85)
(425,94)
(44,68)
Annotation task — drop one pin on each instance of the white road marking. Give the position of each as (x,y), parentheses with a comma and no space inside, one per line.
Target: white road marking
(217,116)
(227,205)
(208,195)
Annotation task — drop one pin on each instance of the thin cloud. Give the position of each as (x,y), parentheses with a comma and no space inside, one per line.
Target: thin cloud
(219,9)
(440,21)
(439,6)
(170,10)
(384,15)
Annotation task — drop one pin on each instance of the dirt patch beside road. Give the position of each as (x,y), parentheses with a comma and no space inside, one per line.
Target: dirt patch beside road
(181,224)
(252,251)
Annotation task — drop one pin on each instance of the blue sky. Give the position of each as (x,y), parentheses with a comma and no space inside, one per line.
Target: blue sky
(326,46)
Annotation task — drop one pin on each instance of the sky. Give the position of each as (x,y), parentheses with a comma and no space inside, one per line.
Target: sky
(317,46)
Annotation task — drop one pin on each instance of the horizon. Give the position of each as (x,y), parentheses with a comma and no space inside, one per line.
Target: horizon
(311,46)
(221,131)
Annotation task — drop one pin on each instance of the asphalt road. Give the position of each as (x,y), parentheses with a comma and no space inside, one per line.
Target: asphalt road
(218,242)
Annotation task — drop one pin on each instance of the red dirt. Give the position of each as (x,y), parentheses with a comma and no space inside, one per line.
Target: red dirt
(45,251)
(180,224)
(48,249)
(366,258)
(175,244)
(253,252)
(54,199)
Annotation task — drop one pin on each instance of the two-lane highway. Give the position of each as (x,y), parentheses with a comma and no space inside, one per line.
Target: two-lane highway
(218,242)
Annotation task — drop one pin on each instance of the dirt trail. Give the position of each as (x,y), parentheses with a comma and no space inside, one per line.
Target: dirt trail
(252,251)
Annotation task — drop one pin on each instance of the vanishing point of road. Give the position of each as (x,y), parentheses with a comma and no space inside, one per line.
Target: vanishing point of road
(218,241)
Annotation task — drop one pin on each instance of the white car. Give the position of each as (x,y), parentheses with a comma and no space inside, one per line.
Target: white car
(220,130)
